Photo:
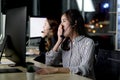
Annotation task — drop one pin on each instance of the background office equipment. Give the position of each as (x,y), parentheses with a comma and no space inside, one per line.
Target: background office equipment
(34,31)
(34,34)
(15,32)
(36,26)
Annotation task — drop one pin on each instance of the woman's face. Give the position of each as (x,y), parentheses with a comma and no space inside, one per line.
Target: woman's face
(46,28)
(66,25)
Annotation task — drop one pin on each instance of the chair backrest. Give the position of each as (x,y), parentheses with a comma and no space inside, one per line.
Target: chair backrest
(107,66)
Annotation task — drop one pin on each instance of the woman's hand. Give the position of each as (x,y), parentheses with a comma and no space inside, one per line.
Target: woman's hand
(60,39)
(44,71)
(60,32)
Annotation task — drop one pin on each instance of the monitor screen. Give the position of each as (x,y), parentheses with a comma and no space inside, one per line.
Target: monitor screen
(36,26)
(15,34)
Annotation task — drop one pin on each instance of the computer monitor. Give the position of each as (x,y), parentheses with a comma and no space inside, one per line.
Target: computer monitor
(15,35)
(36,26)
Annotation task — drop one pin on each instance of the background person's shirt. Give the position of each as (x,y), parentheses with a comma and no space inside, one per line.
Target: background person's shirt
(42,49)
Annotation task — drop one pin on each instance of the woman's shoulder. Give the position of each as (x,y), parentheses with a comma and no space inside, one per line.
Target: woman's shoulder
(85,39)
(89,40)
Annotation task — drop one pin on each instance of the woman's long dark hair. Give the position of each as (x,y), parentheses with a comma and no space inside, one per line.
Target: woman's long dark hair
(48,42)
(77,21)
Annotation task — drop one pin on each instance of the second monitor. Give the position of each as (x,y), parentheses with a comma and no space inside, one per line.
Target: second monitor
(36,26)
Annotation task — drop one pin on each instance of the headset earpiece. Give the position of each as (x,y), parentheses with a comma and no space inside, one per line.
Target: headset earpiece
(74,23)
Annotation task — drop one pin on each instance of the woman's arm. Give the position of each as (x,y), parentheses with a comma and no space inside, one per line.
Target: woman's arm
(55,48)
(55,51)
(87,57)
(60,39)
(52,70)
(53,57)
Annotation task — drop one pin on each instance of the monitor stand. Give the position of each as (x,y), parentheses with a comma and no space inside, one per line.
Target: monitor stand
(2,47)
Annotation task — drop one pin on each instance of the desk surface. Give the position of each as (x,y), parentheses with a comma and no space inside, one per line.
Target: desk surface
(22,76)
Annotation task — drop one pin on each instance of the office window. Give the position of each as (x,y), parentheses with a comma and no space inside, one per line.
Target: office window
(99,15)
(118,26)
(2,26)
(0,23)
(0,29)
(100,21)
(103,20)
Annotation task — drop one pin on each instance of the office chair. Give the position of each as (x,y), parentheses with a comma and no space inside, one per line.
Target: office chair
(107,66)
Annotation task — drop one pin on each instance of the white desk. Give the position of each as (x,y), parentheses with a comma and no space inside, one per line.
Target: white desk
(22,76)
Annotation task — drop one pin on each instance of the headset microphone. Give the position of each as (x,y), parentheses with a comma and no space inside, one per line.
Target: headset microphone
(42,31)
(62,36)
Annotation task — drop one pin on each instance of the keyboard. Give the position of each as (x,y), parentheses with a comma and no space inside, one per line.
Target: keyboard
(10,70)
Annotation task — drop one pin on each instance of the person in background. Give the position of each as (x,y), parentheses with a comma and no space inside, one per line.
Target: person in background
(48,39)
(73,46)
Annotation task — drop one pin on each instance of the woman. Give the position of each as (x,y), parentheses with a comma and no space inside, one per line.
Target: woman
(74,47)
(48,39)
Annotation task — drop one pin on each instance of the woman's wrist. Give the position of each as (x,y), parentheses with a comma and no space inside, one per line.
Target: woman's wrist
(62,70)
(55,48)
(60,39)
(57,70)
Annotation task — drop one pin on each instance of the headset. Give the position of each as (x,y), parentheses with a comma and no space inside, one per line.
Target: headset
(73,23)
(62,36)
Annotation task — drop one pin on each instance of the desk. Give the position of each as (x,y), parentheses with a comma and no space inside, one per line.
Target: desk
(22,76)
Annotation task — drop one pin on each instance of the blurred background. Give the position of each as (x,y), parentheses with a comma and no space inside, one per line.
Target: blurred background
(101,16)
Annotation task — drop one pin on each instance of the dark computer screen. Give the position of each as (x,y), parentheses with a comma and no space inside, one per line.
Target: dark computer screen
(15,34)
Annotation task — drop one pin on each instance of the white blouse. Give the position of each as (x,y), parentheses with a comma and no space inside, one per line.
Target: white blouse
(78,59)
